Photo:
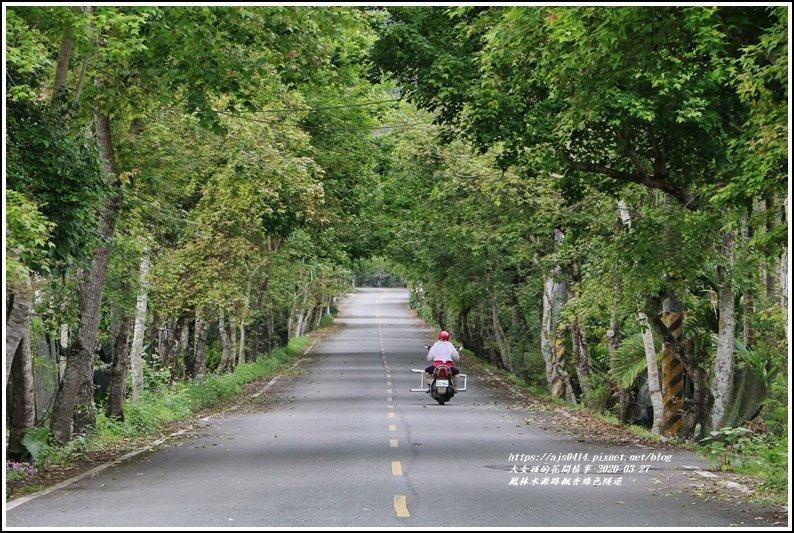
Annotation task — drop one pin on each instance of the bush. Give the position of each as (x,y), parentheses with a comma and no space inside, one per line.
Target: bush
(598,392)
(532,369)
(326,320)
(764,456)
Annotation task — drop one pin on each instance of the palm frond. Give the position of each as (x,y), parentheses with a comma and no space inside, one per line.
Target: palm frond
(628,361)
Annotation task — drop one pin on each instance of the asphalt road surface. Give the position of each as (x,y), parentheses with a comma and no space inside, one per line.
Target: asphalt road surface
(344,443)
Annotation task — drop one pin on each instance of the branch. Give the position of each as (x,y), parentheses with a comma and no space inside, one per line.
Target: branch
(682,194)
(660,158)
(633,156)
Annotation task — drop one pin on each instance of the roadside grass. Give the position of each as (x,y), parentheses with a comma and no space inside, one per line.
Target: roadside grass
(147,419)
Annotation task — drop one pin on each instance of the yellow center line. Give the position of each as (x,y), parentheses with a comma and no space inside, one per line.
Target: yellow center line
(396,468)
(392,427)
(393,443)
(401,507)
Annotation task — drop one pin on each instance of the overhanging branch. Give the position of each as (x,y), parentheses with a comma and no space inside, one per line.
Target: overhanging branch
(682,194)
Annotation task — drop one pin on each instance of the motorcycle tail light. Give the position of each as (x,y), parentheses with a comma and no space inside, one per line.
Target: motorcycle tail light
(441,372)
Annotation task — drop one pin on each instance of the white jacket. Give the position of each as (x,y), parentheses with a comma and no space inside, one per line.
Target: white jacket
(443,351)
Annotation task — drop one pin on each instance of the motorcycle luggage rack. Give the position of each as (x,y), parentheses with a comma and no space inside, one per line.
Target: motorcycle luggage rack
(423,385)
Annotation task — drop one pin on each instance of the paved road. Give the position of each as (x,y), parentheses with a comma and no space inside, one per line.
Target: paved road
(345,443)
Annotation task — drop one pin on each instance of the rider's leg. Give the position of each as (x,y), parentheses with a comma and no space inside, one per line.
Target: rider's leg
(429,376)
(455,372)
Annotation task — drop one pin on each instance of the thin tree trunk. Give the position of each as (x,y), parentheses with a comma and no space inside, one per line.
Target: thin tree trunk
(499,334)
(62,67)
(167,345)
(182,351)
(233,341)
(200,347)
(318,317)
(18,318)
(290,324)
(771,276)
(551,340)
(613,336)
(136,360)
(241,358)
(225,343)
(62,351)
(561,386)
(723,363)
(700,393)
(23,401)
(784,274)
(654,388)
(91,283)
(582,352)
(547,331)
(118,377)
(78,91)
(624,394)
(748,298)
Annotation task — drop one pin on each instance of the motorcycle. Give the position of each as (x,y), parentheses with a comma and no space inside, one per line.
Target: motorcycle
(442,387)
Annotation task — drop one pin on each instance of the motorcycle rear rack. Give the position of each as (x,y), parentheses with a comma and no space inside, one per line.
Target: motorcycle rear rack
(423,385)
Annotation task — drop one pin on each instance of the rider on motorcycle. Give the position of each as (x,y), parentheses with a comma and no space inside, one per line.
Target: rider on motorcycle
(442,353)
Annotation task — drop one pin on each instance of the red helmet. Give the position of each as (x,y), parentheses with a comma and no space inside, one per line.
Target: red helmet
(443,336)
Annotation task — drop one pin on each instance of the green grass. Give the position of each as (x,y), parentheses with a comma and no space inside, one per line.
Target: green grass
(644,433)
(167,404)
(762,456)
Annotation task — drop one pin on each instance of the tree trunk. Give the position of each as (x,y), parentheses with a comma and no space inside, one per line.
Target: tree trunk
(270,329)
(748,333)
(291,319)
(200,347)
(167,346)
(561,386)
(318,316)
(723,362)
(547,330)
(784,275)
(499,334)
(118,377)
(62,67)
(232,342)
(771,276)
(700,394)
(224,342)
(654,389)
(23,402)
(18,318)
(91,284)
(748,298)
(242,358)
(136,360)
(180,359)
(613,336)
(582,353)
